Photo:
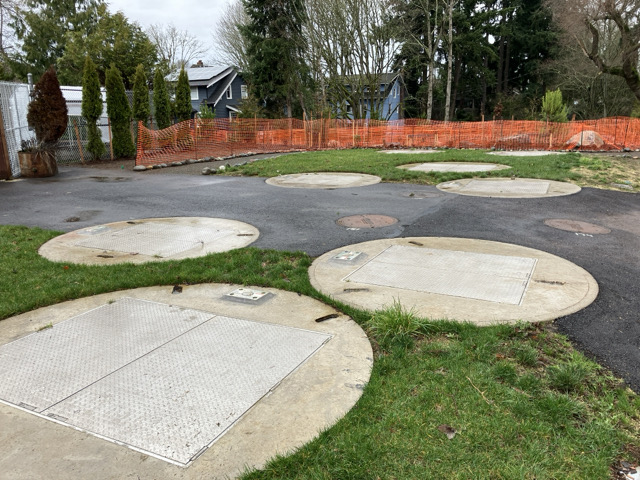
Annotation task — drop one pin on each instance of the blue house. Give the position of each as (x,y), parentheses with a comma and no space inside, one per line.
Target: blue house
(220,88)
(387,99)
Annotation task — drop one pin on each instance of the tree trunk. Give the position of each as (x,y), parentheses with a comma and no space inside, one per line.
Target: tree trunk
(447,107)
(500,64)
(456,83)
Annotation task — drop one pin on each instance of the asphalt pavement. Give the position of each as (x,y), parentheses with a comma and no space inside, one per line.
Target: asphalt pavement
(304,219)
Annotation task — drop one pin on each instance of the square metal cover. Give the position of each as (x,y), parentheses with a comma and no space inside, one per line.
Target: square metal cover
(153,239)
(164,380)
(507,186)
(480,276)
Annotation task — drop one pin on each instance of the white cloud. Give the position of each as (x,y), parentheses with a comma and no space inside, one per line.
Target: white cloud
(196,17)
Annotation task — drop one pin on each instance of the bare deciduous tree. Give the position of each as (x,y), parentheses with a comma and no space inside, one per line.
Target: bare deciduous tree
(352,48)
(176,48)
(10,12)
(586,22)
(231,47)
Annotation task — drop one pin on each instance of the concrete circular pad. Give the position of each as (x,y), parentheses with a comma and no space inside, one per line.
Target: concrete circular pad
(149,240)
(526,153)
(312,397)
(453,167)
(454,278)
(509,188)
(323,180)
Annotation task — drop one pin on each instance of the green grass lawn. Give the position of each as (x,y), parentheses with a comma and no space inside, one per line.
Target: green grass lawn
(518,401)
(581,169)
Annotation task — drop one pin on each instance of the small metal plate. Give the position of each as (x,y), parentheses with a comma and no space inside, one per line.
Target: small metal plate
(576,226)
(366,221)
(248,294)
(507,186)
(346,256)
(154,239)
(480,276)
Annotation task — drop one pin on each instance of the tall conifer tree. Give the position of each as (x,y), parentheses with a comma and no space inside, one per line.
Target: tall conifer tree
(92,107)
(119,114)
(183,97)
(141,109)
(161,100)
(275,47)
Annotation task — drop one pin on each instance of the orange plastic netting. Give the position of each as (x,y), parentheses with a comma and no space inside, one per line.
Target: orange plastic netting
(201,138)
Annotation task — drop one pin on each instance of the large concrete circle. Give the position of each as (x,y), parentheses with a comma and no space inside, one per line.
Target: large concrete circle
(328,180)
(509,188)
(149,240)
(310,399)
(453,167)
(366,275)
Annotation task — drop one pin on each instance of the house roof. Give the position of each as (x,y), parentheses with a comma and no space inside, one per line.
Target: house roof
(201,76)
(384,78)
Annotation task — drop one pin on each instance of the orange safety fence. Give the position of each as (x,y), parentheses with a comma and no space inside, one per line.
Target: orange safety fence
(199,139)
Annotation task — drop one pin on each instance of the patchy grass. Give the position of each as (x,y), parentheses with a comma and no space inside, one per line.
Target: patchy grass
(605,170)
(550,167)
(521,401)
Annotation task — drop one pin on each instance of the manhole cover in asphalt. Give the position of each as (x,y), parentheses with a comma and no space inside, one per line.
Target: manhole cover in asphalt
(576,226)
(162,379)
(366,221)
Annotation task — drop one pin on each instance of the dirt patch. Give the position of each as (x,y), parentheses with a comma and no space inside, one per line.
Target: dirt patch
(620,171)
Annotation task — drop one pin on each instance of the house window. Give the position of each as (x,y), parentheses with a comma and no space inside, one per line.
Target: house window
(229,94)
(194,93)
(395,92)
(243,92)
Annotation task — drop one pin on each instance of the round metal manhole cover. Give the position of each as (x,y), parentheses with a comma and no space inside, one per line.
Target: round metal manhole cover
(366,221)
(576,226)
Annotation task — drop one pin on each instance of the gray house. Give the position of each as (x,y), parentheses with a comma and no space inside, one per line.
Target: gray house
(220,88)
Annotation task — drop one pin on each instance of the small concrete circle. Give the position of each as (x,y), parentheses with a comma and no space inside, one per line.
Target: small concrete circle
(478,281)
(526,153)
(327,180)
(509,188)
(314,396)
(366,221)
(453,167)
(576,226)
(149,240)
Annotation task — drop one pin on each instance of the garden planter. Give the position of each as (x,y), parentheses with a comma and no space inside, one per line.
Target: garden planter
(37,164)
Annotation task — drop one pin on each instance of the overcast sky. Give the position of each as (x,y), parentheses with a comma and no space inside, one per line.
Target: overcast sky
(196,16)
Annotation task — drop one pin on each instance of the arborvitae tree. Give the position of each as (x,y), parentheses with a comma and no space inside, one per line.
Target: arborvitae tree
(161,100)
(47,112)
(141,109)
(119,114)
(92,107)
(183,97)
(552,107)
